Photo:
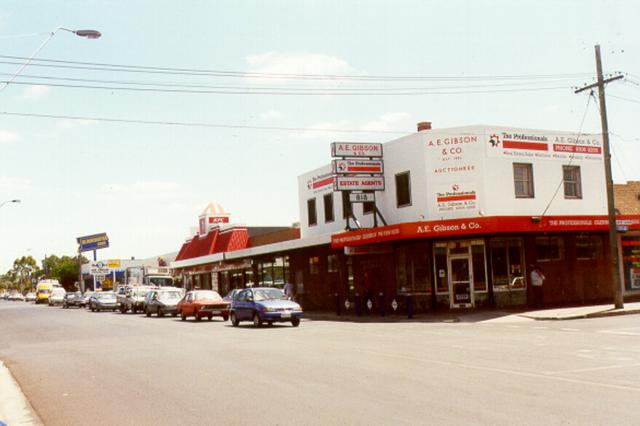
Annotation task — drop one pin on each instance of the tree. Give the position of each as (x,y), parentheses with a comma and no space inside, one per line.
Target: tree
(24,268)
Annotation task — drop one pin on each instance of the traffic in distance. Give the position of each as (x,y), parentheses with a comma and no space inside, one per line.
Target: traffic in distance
(259,305)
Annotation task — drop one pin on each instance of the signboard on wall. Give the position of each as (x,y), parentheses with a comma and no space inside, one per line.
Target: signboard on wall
(358,183)
(356,149)
(357,166)
(362,197)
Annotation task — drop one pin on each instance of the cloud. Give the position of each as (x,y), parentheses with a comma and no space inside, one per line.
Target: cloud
(275,62)
(36,92)
(8,183)
(271,115)
(389,122)
(8,137)
(142,190)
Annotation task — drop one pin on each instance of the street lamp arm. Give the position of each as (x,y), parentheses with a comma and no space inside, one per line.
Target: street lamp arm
(9,201)
(91,34)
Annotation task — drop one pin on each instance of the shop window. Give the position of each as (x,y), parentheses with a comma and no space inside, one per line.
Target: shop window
(507,268)
(412,269)
(328,207)
(248,277)
(549,249)
(265,271)
(588,247)
(440,266)
(479,270)
(312,216)
(332,263)
(403,189)
(572,183)
(523,180)
(314,265)
(631,262)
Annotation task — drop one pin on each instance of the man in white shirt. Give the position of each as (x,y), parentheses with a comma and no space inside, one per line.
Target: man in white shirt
(537,281)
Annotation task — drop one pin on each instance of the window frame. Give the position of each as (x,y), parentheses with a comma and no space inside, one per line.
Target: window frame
(312,202)
(560,245)
(406,173)
(576,184)
(328,208)
(530,187)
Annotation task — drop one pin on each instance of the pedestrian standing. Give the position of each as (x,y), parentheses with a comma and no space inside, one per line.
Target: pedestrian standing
(288,290)
(537,284)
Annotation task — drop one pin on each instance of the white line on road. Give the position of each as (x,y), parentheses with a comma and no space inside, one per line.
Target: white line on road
(501,370)
(570,329)
(584,370)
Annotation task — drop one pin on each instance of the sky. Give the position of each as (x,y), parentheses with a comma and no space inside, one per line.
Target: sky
(257,91)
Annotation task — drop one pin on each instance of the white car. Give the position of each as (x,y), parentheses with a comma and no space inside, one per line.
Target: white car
(30,297)
(57,296)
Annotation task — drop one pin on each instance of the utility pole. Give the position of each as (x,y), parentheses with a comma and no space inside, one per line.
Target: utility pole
(613,233)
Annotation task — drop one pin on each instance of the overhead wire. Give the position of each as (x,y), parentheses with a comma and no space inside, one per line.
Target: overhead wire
(572,156)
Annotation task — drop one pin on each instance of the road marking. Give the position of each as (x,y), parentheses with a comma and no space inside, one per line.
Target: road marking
(621,332)
(540,328)
(500,370)
(570,329)
(584,370)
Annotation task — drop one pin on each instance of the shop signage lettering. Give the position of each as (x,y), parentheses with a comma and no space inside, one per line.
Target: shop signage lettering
(358,183)
(357,166)
(93,242)
(354,149)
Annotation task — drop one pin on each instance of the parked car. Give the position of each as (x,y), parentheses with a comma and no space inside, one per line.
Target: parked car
(30,297)
(86,297)
(103,301)
(162,302)
(56,297)
(232,293)
(72,299)
(264,305)
(203,303)
(133,298)
(16,297)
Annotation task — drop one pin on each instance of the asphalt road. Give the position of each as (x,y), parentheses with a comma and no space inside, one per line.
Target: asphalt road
(83,368)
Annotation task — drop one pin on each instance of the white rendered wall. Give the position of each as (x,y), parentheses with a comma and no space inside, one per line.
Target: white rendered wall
(476,163)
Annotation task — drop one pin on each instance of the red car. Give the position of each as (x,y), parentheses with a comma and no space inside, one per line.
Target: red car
(203,303)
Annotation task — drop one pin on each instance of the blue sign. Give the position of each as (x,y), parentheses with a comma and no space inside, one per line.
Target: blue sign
(93,242)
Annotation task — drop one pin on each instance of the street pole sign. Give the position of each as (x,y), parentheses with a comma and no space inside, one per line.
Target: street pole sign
(93,242)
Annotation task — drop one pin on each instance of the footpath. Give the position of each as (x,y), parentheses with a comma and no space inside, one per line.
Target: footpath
(15,408)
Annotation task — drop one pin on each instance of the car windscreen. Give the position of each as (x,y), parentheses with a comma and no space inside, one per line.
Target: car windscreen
(140,293)
(106,296)
(267,294)
(201,295)
(161,281)
(169,295)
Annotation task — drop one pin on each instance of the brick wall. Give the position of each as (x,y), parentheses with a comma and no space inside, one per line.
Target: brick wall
(627,197)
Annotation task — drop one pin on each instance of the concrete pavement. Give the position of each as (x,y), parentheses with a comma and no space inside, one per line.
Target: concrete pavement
(14,407)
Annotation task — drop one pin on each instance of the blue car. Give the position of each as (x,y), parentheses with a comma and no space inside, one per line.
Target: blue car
(264,305)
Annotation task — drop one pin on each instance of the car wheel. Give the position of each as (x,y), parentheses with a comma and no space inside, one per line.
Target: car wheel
(134,310)
(93,309)
(225,317)
(123,309)
(65,306)
(234,319)
(270,323)
(198,317)
(295,322)
(147,313)
(174,314)
(183,317)
(160,313)
(210,317)
(257,321)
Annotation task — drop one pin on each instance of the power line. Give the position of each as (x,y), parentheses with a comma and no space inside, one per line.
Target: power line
(195,124)
(259,91)
(247,74)
(263,88)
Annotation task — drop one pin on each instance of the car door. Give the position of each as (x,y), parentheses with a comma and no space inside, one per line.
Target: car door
(187,305)
(245,305)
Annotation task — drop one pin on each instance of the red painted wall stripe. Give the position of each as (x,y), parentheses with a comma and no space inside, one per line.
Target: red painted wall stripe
(457,198)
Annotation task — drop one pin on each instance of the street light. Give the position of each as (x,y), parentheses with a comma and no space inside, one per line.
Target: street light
(90,34)
(9,201)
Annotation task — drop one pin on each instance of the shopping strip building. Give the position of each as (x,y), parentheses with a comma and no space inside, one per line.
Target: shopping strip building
(462,215)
